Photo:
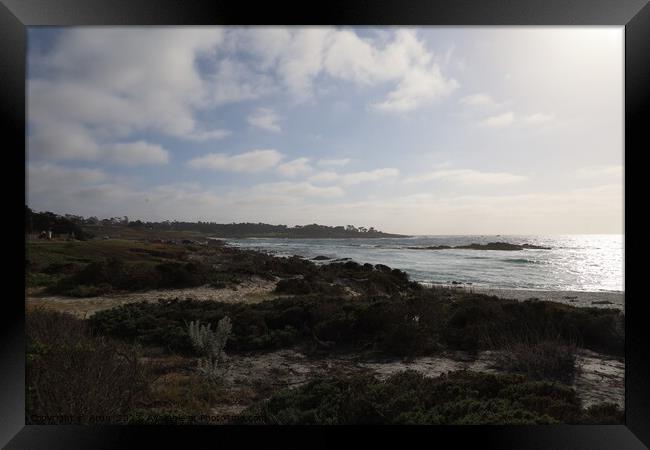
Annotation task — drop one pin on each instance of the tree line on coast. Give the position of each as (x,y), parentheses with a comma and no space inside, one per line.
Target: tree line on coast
(65,224)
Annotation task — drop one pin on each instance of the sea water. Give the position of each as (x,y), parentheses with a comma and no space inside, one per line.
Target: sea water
(574,262)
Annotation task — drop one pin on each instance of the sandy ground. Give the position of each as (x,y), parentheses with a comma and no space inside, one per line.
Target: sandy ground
(574,298)
(254,290)
(257,290)
(600,378)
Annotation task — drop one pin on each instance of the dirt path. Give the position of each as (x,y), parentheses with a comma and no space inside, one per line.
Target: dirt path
(254,290)
(601,379)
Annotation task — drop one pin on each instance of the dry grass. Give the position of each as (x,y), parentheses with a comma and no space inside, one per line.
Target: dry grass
(188,392)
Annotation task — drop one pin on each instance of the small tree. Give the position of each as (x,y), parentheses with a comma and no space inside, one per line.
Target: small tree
(211,345)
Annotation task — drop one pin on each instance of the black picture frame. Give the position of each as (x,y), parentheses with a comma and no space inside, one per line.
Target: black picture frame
(634,15)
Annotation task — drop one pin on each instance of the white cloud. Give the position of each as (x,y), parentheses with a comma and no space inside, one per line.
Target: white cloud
(124,78)
(299,190)
(266,43)
(353,178)
(418,87)
(91,193)
(350,57)
(365,61)
(253,161)
(468,177)
(615,170)
(43,177)
(105,84)
(480,99)
(136,153)
(233,81)
(266,119)
(301,60)
(299,56)
(371,175)
(333,162)
(100,86)
(537,118)
(208,135)
(299,166)
(67,141)
(509,118)
(499,120)
(406,61)
(324,177)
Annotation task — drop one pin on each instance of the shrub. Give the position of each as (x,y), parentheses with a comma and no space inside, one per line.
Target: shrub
(295,286)
(71,372)
(102,277)
(305,286)
(478,321)
(411,398)
(210,344)
(605,414)
(408,338)
(178,275)
(418,324)
(544,359)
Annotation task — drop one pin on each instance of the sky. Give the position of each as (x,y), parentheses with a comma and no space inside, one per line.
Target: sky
(428,130)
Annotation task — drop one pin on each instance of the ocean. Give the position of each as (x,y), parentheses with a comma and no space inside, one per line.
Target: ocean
(574,262)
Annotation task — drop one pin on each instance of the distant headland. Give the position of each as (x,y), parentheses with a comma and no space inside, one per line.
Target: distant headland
(92,227)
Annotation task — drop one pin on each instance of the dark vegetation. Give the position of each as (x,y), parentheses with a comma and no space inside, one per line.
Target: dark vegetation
(96,267)
(101,267)
(422,323)
(541,359)
(313,231)
(99,278)
(76,376)
(36,222)
(458,398)
(71,371)
(201,230)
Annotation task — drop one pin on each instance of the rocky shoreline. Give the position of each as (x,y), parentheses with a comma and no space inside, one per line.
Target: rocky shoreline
(489,246)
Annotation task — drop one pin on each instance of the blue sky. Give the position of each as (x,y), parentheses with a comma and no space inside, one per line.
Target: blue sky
(431,130)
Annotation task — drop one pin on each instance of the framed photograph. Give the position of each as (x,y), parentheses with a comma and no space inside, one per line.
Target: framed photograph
(244,218)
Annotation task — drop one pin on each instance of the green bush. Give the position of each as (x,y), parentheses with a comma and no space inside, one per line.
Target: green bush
(457,398)
(478,321)
(102,277)
(419,324)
